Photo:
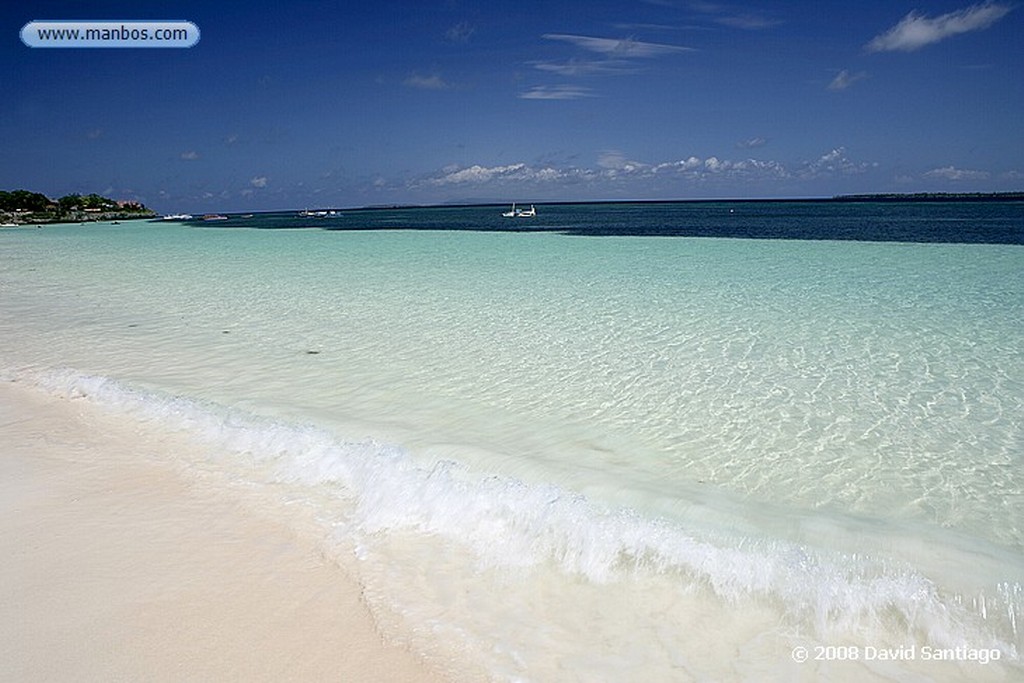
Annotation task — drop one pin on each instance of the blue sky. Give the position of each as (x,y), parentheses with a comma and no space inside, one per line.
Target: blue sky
(320,104)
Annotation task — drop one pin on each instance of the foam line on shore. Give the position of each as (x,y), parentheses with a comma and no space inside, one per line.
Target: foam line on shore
(117,568)
(513,524)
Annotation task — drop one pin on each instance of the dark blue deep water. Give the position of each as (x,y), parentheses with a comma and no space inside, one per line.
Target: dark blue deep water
(990,222)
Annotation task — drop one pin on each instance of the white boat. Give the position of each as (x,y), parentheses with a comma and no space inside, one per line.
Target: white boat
(520,213)
(177,217)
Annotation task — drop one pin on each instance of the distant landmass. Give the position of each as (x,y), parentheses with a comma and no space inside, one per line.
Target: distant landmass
(933,197)
(20,207)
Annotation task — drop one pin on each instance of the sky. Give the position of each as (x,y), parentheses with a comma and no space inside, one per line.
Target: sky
(285,105)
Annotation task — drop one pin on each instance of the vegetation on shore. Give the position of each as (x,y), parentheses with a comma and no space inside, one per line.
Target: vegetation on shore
(21,207)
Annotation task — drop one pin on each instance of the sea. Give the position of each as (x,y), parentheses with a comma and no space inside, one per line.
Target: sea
(694,441)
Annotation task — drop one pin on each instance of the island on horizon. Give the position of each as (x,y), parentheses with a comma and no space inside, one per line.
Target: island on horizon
(932,197)
(22,207)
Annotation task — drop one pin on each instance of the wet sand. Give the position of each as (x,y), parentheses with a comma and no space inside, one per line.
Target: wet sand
(118,566)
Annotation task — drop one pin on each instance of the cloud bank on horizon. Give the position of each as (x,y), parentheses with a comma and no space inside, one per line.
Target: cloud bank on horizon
(401,102)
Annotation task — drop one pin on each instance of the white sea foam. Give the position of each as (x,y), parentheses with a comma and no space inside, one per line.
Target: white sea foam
(501,524)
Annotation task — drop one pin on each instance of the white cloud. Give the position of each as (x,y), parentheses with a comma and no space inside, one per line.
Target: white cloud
(460,33)
(844,79)
(556,92)
(259,181)
(834,162)
(190,155)
(714,165)
(614,166)
(619,56)
(617,161)
(695,168)
(479,174)
(639,26)
(510,174)
(547,174)
(618,47)
(432,82)
(683,165)
(955,174)
(616,171)
(578,67)
(750,22)
(751,143)
(728,16)
(916,30)
(745,168)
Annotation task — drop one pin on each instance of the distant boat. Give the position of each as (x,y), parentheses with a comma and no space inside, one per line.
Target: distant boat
(246,215)
(520,213)
(214,217)
(177,217)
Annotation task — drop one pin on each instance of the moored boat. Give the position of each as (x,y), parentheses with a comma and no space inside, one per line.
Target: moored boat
(520,213)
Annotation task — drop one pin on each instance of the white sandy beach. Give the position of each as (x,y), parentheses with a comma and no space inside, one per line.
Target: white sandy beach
(117,567)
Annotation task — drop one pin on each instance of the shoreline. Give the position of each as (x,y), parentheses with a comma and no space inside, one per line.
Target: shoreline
(120,568)
(39,224)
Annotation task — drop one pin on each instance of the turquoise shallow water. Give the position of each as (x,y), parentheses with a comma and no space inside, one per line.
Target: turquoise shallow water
(779,442)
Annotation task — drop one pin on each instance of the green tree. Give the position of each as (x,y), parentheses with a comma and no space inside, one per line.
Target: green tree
(69,202)
(94,201)
(25,200)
